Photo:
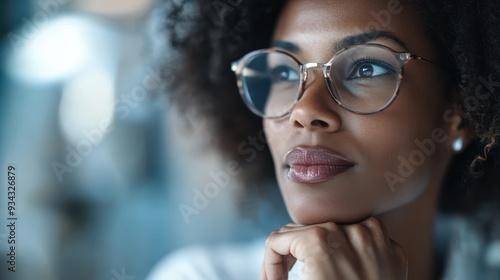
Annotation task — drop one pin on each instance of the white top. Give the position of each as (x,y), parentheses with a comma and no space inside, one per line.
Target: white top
(469,257)
(225,262)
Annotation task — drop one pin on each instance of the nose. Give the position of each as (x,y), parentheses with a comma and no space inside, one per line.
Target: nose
(316,109)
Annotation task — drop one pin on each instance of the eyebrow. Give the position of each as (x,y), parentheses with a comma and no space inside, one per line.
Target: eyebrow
(367,37)
(287,46)
(358,39)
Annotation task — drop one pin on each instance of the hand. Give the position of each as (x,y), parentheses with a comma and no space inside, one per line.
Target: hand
(330,251)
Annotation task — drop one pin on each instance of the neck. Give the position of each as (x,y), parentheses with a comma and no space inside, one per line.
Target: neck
(412,227)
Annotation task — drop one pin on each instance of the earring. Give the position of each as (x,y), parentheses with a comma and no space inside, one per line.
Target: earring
(458,144)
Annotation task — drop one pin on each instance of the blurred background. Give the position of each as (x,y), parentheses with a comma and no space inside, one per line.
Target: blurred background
(108,181)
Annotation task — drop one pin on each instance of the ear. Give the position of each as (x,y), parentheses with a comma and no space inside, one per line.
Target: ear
(459,132)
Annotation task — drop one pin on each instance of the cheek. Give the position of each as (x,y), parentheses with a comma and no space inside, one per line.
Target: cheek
(279,137)
(276,132)
(398,163)
(403,150)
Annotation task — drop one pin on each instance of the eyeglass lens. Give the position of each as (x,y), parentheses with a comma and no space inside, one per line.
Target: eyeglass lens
(363,79)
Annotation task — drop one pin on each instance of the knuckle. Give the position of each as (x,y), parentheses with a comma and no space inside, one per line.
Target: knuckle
(270,239)
(320,251)
(378,230)
(274,232)
(319,233)
(398,249)
(331,226)
(321,248)
(288,227)
(360,233)
(375,223)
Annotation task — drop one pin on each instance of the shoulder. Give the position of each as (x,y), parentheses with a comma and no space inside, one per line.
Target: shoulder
(231,261)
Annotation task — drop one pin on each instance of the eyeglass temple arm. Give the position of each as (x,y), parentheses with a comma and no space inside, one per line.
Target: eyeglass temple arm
(413,56)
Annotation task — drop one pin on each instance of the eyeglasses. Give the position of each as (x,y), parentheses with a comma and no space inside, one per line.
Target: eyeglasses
(363,79)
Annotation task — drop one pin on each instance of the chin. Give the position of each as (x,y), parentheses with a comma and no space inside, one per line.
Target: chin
(317,215)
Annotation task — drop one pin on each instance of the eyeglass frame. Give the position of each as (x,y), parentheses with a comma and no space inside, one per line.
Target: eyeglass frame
(238,66)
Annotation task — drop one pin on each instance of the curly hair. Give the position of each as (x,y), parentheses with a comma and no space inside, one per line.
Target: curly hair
(209,35)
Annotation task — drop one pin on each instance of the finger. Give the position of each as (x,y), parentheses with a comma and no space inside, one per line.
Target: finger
(295,227)
(277,247)
(335,239)
(288,265)
(363,245)
(401,256)
(378,230)
(358,236)
(289,262)
(382,239)
(292,227)
(399,251)
(314,243)
(263,274)
(284,263)
(284,248)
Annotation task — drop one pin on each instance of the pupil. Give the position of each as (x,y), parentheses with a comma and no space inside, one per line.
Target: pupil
(284,75)
(366,71)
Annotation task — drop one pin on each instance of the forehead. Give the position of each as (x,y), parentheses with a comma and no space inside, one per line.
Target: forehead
(320,24)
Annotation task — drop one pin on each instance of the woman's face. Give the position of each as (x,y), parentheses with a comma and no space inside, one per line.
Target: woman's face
(335,165)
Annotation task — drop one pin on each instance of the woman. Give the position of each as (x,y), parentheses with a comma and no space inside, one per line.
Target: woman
(379,115)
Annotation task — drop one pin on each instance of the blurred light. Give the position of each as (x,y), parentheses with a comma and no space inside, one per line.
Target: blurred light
(492,255)
(116,8)
(57,50)
(87,103)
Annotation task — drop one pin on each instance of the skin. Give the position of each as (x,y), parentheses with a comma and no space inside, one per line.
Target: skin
(376,231)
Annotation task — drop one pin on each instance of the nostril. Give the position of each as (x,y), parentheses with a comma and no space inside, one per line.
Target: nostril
(297,124)
(314,123)
(319,123)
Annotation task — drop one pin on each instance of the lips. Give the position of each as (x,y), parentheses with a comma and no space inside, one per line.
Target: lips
(314,165)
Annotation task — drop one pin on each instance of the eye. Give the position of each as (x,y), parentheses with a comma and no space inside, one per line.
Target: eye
(370,69)
(283,73)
